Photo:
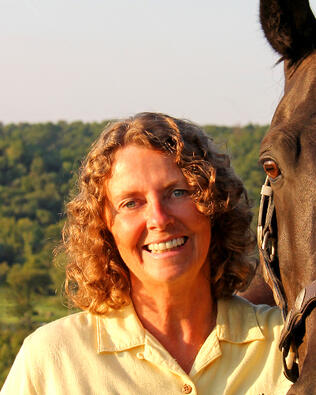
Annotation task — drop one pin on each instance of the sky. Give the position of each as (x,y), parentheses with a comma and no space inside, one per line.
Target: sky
(92,60)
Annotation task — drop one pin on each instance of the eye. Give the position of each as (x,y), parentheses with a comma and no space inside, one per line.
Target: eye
(271,168)
(130,204)
(178,193)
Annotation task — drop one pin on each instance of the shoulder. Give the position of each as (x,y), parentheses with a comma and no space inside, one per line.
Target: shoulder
(56,333)
(64,323)
(246,318)
(267,316)
(264,314)
(250,333)
(45,353)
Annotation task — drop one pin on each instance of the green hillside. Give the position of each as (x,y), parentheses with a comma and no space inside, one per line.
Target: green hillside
(38,164)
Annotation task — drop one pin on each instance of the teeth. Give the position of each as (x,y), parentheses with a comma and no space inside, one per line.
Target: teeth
(158,247)
(169,244)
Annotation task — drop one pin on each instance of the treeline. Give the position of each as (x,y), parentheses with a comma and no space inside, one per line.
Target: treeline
(38,166)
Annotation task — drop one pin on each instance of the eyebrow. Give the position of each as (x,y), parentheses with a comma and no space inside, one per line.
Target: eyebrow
(132,192)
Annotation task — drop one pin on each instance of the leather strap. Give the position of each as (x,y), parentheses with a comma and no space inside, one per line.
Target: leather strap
(297,315)
(294,328)
(267,240)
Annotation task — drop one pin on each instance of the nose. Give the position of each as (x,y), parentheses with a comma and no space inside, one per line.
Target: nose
(158,216)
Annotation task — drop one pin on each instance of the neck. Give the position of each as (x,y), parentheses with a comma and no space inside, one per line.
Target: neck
(180,317)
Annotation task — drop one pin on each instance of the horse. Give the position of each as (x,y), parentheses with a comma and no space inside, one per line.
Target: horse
(286,237)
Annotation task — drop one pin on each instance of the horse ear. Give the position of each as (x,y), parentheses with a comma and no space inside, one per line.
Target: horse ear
(289,26)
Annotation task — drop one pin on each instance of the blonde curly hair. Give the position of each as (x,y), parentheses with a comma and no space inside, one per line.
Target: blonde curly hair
(96,276)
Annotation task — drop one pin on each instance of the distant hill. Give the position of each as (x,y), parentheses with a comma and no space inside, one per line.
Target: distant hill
(38,165)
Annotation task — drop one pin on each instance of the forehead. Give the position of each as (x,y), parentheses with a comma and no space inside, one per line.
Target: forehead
(135,156)
(293,126)
(138,168)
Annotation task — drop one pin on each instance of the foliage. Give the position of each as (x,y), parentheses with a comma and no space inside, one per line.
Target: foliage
(38,163)
(243,145)
(11,339)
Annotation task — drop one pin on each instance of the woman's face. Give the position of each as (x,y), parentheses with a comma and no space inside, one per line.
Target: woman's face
(159,233)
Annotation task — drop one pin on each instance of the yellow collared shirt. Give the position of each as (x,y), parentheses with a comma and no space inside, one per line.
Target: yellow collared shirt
(84,354)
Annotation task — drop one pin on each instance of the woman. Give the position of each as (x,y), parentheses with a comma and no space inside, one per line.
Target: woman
(158,241)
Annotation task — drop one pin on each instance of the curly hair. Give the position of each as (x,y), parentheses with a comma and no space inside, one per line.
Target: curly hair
(96,276)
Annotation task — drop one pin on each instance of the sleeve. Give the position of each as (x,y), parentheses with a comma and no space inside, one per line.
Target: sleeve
(23,375)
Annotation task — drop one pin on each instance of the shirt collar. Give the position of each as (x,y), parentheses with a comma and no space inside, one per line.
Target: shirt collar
(121,329)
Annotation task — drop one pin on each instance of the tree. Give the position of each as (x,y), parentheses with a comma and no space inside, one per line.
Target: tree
(24,281)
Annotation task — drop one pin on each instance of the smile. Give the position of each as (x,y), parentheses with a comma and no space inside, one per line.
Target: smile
(157,248)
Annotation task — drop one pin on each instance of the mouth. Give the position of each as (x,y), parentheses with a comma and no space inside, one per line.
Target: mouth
(170,245)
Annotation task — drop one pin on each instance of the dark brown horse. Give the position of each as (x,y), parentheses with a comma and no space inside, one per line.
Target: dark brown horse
(288,156)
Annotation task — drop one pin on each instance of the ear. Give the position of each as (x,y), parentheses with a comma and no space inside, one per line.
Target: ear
(290,27)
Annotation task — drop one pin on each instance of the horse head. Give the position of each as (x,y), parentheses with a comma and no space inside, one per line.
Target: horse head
(288,156)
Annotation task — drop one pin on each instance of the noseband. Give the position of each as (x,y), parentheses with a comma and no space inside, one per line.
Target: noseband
(294,327)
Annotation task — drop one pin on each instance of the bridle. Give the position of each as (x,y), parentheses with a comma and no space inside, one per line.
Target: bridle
(294,320)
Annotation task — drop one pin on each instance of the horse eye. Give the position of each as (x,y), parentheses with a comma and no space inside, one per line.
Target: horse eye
(271,168)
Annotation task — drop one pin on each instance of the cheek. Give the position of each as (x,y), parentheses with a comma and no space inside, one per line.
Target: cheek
(203,231)
(200,226)
(126,234)
(196,218)
(205,234)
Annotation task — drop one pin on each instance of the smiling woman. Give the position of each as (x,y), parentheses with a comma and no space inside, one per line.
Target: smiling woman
(158,241)
(157,229)
(116,175)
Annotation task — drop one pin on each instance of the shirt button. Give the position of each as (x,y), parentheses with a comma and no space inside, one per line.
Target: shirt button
(186,389)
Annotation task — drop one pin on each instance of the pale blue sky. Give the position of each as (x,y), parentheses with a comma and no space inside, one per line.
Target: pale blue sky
(89,60)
